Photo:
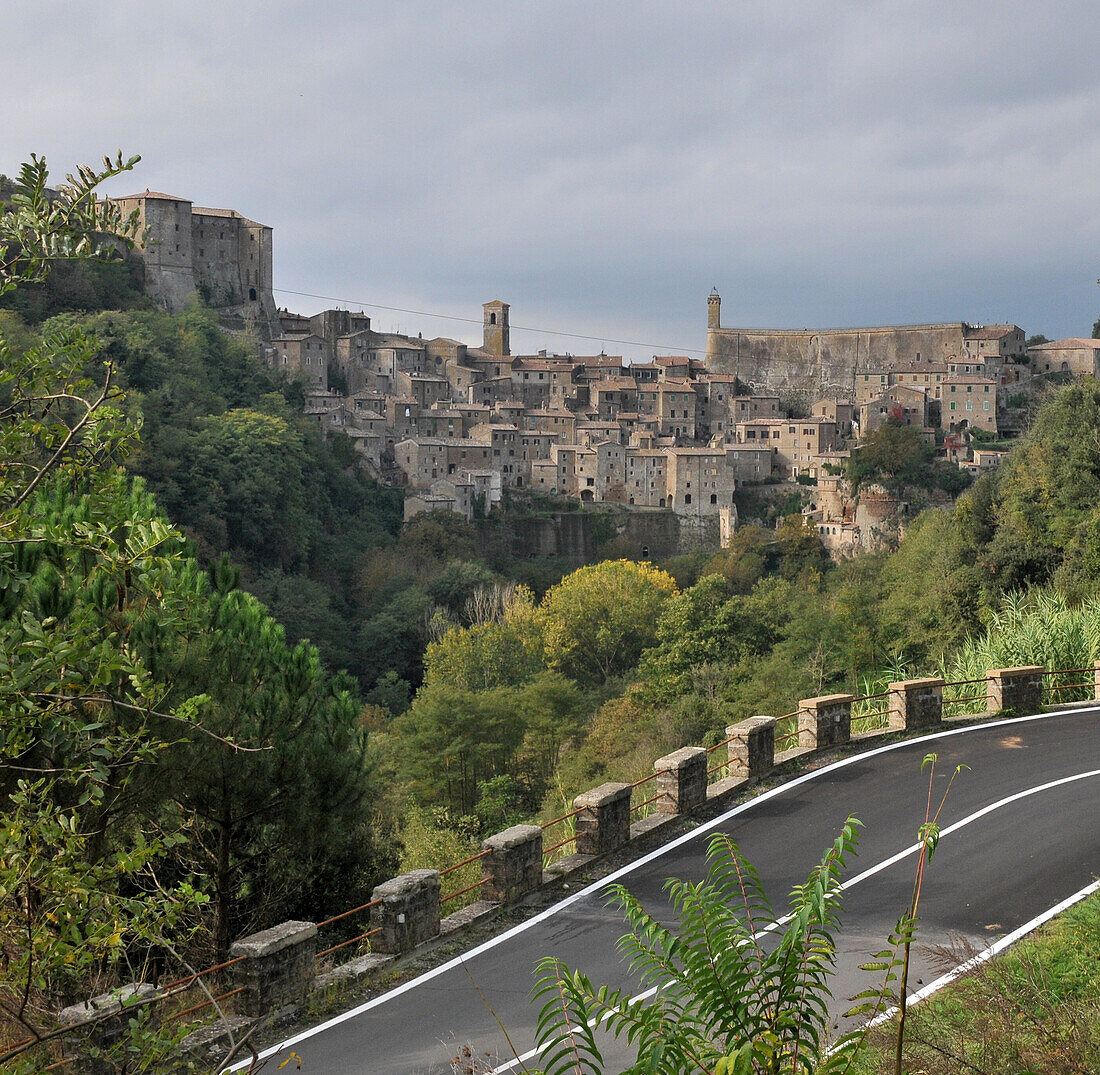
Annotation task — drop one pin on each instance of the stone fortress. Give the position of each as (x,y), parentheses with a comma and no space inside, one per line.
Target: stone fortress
(816,363)
(456,425)
(217,254)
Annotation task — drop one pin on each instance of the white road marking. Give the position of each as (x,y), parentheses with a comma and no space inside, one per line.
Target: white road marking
(994,949)
(623,871)
(885,864)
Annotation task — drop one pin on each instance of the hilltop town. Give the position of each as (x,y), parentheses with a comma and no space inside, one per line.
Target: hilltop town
(458,425)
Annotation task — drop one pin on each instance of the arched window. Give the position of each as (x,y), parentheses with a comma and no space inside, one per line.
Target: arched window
(251,294)
(492,319)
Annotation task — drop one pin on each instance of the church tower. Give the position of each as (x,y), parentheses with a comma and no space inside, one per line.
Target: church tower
(714,309)
(495,328)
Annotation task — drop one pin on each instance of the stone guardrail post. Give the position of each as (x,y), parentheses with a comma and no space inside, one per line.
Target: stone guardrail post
(82,1045)
(825,721)
(751,746)
(681,780)
(916,703)
(409,912)
(278,967)
(1019,689)
(604,821)
(513,866)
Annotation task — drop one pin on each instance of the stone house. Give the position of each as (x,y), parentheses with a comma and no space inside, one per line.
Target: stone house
(796,444)
(841,412)
(907,405)
(646,476)
(745,408)
(927,375)
(1001,343)
(871,384)
(305,358)
(699,481)
(675,408)
(750,464)
(969,402)
(1081,357)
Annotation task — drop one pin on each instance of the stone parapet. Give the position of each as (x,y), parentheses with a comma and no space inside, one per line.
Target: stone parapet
(277,969)
(408,913)
(85,1046)
(916,703)
(825,721)
(751,746)
(1019,689)
(604,819)
(513,865)
(681,780)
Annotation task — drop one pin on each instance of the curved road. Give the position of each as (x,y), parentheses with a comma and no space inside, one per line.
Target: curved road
(1020,835)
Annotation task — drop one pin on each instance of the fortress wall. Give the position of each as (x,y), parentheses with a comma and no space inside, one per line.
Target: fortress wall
(824,362)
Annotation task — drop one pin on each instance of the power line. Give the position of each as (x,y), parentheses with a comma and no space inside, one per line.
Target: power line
(474,321)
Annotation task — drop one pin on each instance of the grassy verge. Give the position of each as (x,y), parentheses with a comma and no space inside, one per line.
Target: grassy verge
(1035,1010)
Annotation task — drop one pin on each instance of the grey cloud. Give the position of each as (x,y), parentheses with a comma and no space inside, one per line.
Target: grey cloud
(604,165)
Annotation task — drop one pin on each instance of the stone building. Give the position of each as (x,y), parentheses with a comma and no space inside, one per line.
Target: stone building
(1081,357)
(217,253)
(811,363)
(969,403)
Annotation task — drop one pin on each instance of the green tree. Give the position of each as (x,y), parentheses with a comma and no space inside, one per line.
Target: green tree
(82,570)
(597,621)
(481,657)
(308,789)
(707,625)
(451,739)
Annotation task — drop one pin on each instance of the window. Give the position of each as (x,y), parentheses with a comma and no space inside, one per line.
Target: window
(687,498)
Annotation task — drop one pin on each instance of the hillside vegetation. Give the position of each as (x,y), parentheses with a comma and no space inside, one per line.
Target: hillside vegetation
(238,689)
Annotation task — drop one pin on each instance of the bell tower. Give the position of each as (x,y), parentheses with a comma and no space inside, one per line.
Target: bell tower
(495,328)
(714,309)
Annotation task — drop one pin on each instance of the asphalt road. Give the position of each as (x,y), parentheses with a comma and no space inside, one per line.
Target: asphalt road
(1020,835)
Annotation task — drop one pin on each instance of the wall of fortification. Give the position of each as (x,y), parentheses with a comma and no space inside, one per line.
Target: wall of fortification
(810,364)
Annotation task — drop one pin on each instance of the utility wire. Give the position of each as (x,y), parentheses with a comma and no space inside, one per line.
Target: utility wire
(474,321)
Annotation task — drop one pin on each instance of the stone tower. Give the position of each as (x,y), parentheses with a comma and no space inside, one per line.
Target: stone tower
(495,328)
(714,309)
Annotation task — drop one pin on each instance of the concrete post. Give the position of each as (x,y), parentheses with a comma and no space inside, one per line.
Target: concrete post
(1096,679)
(83,1046)
(604,821)
(513,866)
(916,703)
(1018,689)
(409,913)
(681,780)
(751,746)
(825,721)
(278,967)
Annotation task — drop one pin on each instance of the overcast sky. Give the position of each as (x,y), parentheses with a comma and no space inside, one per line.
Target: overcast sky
(601,166)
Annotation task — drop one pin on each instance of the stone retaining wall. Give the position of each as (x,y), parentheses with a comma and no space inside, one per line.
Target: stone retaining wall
(279,965)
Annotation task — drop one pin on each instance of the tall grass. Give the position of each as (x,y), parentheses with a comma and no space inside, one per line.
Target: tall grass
(1038,628)
(872,714)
